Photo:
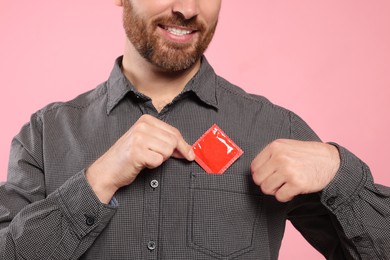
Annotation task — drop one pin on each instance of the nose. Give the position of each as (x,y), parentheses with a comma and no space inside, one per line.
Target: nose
(186,8)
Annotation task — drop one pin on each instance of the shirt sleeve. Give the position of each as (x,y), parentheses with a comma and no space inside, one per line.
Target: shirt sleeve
(350,218)
(361,207)
(36,225)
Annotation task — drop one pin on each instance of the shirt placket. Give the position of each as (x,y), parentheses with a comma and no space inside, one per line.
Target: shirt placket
(152,188)
(151,213)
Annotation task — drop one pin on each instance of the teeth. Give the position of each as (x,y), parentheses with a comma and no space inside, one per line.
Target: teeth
(176,31)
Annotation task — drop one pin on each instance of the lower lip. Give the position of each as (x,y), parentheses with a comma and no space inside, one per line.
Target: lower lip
(186,38)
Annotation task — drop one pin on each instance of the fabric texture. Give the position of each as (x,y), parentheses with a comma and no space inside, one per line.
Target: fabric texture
(176,211)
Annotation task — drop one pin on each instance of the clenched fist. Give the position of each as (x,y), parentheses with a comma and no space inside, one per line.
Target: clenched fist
(286,168)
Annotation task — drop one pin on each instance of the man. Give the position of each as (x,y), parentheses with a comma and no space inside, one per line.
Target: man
(111,174)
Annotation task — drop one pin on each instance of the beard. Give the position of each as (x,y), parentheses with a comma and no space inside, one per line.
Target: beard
(167,55)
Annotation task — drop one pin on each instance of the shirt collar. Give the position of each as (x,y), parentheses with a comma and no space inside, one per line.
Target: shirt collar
(203,85)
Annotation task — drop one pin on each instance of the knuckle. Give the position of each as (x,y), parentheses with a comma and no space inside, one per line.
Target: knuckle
(289,172)
(155,161)
(274,145)
(266,189)
(295,179)
(256,179)
(176,134)
(167,151)
(136,140)
(283,158)
(170,143)
(174,140)
(145,117)
(142,126)
(284,195)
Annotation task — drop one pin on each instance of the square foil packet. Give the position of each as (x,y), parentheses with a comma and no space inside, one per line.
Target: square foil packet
(215,151)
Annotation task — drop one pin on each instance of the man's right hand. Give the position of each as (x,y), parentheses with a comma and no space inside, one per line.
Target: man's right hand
(147,144)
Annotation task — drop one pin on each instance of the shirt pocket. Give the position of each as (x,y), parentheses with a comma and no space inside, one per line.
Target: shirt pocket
(223,213)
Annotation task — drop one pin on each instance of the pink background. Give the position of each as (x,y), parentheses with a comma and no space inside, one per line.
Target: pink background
(329,61)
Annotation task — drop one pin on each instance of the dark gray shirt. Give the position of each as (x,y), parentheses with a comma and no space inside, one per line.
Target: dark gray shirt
(177,211)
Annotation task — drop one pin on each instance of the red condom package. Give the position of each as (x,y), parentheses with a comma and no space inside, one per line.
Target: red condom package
(215,151)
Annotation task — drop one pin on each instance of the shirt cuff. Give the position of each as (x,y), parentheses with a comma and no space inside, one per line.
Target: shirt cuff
(348,182)
(82,207)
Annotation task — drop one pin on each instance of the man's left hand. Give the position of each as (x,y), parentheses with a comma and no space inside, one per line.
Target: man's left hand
(286,168)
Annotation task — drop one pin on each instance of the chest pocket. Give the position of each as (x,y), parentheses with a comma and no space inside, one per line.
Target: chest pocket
(223,213)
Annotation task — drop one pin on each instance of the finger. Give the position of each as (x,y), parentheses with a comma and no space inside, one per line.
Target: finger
(262,167)
(152,159)
(182,149)
(264,172)
(156,123)
(286,193)
(272,184)
(163,145)
(260,159)
(170,142)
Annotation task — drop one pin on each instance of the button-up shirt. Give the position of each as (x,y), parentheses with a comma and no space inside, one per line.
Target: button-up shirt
(176,211)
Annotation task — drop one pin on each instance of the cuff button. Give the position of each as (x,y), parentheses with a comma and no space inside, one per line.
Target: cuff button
(331,201)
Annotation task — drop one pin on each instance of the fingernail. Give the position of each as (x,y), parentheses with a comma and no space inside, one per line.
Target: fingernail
(191,155)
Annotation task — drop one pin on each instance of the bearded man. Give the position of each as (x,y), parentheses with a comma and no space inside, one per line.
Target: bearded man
(113,173)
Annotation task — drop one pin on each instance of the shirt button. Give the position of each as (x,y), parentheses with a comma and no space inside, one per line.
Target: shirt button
(152,245)
(357,239)
(154,184)
(89,220)
(331,201)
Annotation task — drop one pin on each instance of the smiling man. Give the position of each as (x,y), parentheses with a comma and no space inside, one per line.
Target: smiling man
(112,173)
(170,42)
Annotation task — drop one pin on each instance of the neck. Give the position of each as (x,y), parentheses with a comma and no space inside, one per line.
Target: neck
(162,87)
